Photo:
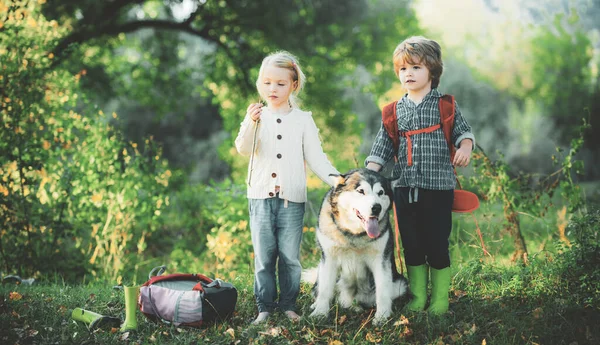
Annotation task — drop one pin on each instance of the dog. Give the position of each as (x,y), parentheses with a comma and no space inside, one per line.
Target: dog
(357,249)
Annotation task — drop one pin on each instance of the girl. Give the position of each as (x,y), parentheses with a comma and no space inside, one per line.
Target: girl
(280,138)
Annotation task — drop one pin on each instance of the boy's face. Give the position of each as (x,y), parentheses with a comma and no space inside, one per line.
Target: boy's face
(414,76)
(276,86)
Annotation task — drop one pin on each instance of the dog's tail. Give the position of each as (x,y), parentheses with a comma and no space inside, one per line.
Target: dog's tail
(310,275)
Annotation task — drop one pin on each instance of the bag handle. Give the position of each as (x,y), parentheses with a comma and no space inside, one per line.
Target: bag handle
(200,278)
(181,276)
(160,269)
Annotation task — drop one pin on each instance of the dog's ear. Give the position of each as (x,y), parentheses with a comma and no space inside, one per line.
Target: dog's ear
(337,179)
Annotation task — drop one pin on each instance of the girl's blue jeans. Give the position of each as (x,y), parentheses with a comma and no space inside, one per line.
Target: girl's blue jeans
(276,235)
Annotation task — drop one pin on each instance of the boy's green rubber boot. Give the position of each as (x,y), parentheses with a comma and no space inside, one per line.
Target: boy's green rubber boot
(131,297)
(440,285)
(417,281)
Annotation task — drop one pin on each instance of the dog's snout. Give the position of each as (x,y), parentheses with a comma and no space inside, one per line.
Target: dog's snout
(376,209)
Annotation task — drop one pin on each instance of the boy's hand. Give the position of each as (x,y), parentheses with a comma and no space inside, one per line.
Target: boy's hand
(374,166)
(462,157)
(254,111)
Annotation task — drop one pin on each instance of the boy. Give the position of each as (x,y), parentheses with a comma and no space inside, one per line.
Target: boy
(424,175)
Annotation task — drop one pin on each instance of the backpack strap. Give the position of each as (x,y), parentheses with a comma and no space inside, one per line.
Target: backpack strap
(390,123)
(447,110)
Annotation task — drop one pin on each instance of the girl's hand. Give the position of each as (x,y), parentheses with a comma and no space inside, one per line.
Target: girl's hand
(254,111)
(462,157)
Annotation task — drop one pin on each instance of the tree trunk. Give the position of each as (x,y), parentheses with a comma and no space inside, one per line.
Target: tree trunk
(514,228)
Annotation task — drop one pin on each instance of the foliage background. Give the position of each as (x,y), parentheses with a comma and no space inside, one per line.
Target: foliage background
(118,121)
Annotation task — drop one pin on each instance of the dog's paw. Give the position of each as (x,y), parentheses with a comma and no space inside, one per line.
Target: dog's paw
(319,311)
(318,315)
(345,303)
(381,317)
(379,320)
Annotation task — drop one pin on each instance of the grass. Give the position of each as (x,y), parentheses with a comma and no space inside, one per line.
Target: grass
(535,304)
(555,299)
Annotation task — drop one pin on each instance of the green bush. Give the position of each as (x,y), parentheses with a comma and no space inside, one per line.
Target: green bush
(75,198)
(579,265)
(571,271)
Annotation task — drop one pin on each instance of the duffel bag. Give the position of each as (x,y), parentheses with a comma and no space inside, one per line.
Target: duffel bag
(186,299)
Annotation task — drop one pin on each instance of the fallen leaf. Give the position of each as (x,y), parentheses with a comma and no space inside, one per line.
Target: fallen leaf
(459,294)
(274,332)
(537,313)
(403,321)
(483,342)
(372,338)
(15,296)
(342,319)
(231,332)
(124,336)
(454,338)
(335,342)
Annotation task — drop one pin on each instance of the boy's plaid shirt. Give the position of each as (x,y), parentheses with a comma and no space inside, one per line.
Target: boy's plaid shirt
(431,168)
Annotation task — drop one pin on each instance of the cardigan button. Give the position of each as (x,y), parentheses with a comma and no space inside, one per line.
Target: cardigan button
(279,155)
(271,194)
(273,175)
(278,120)
(279,136)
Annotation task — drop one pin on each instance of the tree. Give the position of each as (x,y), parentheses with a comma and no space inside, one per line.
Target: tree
(229,39)
(75,197)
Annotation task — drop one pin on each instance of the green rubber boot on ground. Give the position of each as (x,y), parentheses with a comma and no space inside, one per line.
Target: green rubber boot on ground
(417,281)
(131,298)
(94,320)
(440,285)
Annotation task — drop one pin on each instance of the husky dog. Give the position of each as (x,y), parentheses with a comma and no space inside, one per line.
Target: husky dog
(355,238)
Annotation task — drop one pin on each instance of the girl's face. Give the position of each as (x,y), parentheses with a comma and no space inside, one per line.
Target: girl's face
(276,86)
(415,78)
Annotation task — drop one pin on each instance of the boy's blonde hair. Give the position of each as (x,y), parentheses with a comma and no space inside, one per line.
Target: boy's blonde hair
(420,50)
(283,59)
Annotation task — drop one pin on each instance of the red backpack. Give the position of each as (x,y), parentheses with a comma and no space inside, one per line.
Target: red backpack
(446,106)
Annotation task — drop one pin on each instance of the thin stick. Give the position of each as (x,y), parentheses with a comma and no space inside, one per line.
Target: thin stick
(253,148)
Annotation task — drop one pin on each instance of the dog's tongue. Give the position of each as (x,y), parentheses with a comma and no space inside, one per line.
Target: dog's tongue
(373,227)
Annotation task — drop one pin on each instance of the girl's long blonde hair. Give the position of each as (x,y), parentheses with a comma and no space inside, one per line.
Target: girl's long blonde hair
(283,59)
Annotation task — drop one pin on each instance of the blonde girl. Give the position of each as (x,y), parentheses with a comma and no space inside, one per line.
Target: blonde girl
(279,138)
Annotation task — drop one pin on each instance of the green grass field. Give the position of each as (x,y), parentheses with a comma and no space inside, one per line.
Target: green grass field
(549,301)
(554,299)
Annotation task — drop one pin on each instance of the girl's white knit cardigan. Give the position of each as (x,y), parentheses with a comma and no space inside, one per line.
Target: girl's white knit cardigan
(283,144)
